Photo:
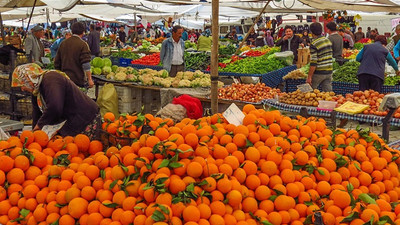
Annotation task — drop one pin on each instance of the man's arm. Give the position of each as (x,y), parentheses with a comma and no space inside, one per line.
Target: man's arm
(360,55)
(85,60)
(392,62)
(57,60)
(396,50)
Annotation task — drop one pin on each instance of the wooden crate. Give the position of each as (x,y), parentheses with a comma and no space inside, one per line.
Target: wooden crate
(303,57)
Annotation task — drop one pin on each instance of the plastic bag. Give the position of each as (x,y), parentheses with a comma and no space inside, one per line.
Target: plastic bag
(173,111)
(108,100)
(286,56)
(3,135)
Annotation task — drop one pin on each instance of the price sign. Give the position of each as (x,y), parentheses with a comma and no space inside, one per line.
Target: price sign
(305,88)
(234,115)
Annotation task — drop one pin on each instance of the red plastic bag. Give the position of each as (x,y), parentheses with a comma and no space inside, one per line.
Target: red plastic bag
(194,109)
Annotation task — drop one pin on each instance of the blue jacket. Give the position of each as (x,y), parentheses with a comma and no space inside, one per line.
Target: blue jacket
(185,36)
(54,47)
(167,49)
(373,58)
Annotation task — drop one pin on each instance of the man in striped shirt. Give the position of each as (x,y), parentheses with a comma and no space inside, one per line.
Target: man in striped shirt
(321,60)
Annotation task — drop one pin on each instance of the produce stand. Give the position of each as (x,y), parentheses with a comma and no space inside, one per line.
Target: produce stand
(386,121)
(338,87)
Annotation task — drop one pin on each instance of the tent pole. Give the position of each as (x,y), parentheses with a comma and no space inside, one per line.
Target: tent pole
(29,21)
(252,26)
(214,56)
(3,37)
(135,23)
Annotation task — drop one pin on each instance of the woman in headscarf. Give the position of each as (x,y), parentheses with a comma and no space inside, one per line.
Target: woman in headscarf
(57,99)
(204,42)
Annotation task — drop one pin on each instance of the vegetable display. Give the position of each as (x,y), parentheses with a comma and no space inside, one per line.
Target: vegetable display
(255,65)
(247,92)
(151,60)
(347,72)
(100,66)
(190,45)
(122,53)
(295,74)
(307,99)
(197,61)
(227,50)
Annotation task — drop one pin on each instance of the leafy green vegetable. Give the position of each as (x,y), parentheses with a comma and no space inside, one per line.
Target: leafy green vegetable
(198,61)
(347,72)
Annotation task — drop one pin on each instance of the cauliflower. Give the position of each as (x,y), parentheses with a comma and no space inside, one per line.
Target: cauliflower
(220,84)
(195,82)
(146,71)
(188,75)
(179,75)
(166,83)
(175,83)
(157,80)
(198,74)
(184,83)
(131,77)
(163,73)
(120,76)
(204,82)
(111,76)
(146,79)
(121,69)
(106,70)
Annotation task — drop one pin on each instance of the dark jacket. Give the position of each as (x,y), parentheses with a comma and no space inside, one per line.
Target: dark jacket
(373,58)
(122,36)
(253,36)
(294,45)
(64,101)
(94,42)
(71,55)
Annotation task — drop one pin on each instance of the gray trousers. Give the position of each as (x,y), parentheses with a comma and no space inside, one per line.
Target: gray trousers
(324,80)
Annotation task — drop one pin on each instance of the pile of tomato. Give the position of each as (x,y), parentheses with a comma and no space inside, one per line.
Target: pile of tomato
(152,60)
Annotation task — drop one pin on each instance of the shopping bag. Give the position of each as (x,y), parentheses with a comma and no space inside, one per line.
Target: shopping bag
(108,100)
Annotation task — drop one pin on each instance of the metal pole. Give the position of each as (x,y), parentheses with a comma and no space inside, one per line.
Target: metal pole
(135,23)
(214,56)
(3,37)
(251,28)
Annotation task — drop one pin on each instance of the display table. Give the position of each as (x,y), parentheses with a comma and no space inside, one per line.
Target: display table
(10,125)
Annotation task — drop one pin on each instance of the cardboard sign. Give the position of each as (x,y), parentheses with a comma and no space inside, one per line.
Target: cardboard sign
(305,88)
(234,115)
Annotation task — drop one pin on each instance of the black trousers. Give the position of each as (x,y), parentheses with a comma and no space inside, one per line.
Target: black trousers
(368,81)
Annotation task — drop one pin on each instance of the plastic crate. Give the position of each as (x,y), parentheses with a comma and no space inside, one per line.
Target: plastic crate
(139,66)
(274,78)
(5,83)
(124,62)
(114,60)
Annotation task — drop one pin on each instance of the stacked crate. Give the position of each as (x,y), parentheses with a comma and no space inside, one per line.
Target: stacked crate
(129,99)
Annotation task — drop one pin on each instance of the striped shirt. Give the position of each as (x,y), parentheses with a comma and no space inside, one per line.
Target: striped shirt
(321,56)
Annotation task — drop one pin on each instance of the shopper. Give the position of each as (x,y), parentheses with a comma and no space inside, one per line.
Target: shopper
(260,40)
(306,38)
(205,41)
(232,35)
(172,50)
(336,39)
(121,36)
(368,32)
(394,39)
(57,99)
(290,42)
(320,73)
(94,41)
(269,40)
(33,45)
(73,57)
(347,39)
(373,34)
(359,34)
(185,35)
(373,57)
(54,47)
(251,39)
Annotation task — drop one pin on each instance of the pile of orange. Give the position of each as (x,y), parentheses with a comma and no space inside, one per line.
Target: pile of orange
(271,170)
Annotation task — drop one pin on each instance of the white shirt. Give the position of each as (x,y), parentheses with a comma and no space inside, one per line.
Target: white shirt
(177,56)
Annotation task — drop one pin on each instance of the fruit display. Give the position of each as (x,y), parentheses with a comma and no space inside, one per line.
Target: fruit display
(247,92)
(151,60)
(307,99)
(368,97)
(255,65)
(347,72)
(272,169)
(295,74)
